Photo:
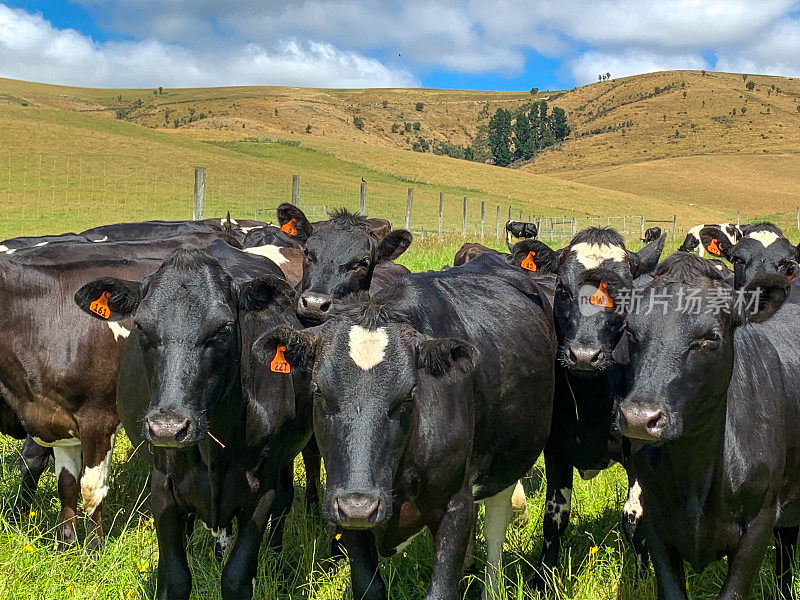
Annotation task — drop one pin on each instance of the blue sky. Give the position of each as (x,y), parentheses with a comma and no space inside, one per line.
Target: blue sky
(466,44)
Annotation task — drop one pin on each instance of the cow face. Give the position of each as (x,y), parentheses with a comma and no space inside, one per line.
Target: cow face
(339,260)
(762,250)
(591,268)
(682,350)
(185,318)
(366,380)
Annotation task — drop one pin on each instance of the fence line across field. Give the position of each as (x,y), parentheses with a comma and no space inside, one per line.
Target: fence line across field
(55,194)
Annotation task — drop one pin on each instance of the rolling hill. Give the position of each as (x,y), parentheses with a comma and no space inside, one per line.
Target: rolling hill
(657,145)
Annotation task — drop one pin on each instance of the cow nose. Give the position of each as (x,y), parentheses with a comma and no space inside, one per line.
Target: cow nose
(641,421)
(357,511)
(167,429)
(314,304)
(581,356)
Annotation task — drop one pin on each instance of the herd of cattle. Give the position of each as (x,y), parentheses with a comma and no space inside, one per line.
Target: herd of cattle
(226,348)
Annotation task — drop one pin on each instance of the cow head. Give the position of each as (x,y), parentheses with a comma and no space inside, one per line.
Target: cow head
(592,270)
(293,222)
(186,318)
(680,341)
(369,372)
(763,249)
(339,260)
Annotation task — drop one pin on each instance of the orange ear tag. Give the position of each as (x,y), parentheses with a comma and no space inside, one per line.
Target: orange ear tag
(289,227)
(601,297)
(791,276)
(528,262)
(100,306)
(713,247)
(279,364)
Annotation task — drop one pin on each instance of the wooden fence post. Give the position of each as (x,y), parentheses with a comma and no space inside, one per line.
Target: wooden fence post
(798,218)
(199,192)
(497,224)
(509,213)
(464,218)
(409,202)
(520,215)
(295,190)
(441,213)
(674,226)
(483,219)
(362,204)
(738,218)
(641,227)
(574,226)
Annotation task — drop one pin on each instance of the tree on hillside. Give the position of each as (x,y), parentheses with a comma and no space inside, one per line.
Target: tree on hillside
(419,106)
(608,76)
(750,85)
(559,123)
(524,141)
(500,137)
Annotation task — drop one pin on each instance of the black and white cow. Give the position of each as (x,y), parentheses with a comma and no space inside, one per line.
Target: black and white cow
(716,396)
(12,245)
(427,397)
(222,429)
(58,370)
(343,258)
(588,379)
(520,230)
(147,230)
(692,242)
(651,234)
(763,249)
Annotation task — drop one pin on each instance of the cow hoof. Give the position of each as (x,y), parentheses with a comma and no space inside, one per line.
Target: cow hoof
(66,539)
(94,545)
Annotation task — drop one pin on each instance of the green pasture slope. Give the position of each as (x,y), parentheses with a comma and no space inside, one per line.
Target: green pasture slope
(596,562)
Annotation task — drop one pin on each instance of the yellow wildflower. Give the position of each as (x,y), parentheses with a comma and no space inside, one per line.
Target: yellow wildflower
(594,550)
(28,548)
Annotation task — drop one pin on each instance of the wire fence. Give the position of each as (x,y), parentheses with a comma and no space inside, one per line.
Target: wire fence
(42,194)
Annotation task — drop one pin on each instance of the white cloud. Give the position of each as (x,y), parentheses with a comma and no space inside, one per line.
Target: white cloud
(586,67)
(31,48)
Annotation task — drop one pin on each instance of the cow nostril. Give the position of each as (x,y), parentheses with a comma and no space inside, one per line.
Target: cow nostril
(597,358)
(303,302)
(181,434)
(573,358)
(325,306)
(655,421)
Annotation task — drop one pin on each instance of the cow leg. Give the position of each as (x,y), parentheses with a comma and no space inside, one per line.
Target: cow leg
(174,577)
(744,562)
(94,484)
(556,513)
(785,546)
(312,460)
(284,495)
(239,573)
(450,540)
(631,523)
(364,575)
(68,468)
(33,462)
(668,565)
(497,511)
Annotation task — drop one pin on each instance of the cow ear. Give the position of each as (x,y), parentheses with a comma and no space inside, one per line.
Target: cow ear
(534,255)
(284,348)
(646,259)
(293,221)
(394,244)
(760,299)
(440,356)
(109,298)
(263,292)
(716,242)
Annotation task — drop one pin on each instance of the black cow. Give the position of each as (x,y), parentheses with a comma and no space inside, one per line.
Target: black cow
(147,230)
(10,246)
(223,430)
(521,230)
(763,249)
(692,242)
(716,396)
(341,258)
(651,234)
(588,380)
(427,397)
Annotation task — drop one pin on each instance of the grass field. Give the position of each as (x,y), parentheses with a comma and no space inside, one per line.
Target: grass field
(596,561)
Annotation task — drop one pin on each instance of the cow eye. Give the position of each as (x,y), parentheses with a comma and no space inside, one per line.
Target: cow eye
(145,341)
(710,341)
(219,333)
(362,264)
(401,405)
(328,405)
(309,255)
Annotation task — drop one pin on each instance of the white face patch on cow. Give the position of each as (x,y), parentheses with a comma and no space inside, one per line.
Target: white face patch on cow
(3,248)
(94,483)
(367,347)
(592,255)
(105,239)
(767,238)
(118,330)
(269,251)
(40,244)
